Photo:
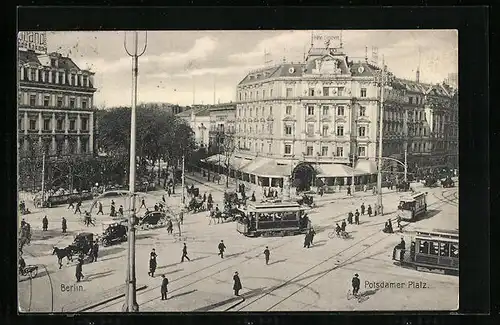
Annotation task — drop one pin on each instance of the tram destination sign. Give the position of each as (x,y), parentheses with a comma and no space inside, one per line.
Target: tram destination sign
(35,41)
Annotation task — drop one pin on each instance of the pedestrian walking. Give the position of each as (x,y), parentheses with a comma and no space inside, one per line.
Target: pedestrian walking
(170,227)
(349,190)
(164,289)
(375,209)
(179,228)
(143,204)
(343,225)
(152,263)
(120,210)
(307,240)
(169,192)
(163,198)
(266,254)
(311,234)
(185,253)
(45,223)
(221,247)
(355,284)
(356,217)
(181,216)
(78,271)
(78,205)
(95,251)
(237,284)
(362,208)
(64,225)
(100,209)
(71,206)
(369,210)
(349,217)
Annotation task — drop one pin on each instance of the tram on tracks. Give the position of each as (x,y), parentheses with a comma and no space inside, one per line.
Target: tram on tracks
(412,207)
(431,250)
(276,219)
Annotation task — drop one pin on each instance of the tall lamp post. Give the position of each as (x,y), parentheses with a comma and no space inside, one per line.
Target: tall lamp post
(381,133)
(130,304)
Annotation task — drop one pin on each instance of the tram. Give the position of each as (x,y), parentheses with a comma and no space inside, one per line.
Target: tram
(412,207)
(432,250)
(276,219)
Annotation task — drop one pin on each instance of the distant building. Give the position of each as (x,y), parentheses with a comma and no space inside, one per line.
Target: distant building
(452,80)
(198,119)
(55,105)
(222,119)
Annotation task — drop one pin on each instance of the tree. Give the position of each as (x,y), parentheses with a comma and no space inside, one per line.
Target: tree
(227,149)
(30,167)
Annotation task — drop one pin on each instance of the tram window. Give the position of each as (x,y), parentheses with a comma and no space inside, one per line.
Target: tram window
(444,249)
(289,216)
(423,247)
(454,250)
(406,205)
(434,248)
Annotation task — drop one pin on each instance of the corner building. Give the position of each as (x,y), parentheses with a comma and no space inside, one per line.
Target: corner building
(55,105)
(309,119)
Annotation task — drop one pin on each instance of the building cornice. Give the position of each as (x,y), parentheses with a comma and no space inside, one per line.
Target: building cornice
(54,87)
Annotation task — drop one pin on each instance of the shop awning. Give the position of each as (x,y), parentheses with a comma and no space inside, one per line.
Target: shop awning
(337,170)
(367,167)
(256,163)
(272,169)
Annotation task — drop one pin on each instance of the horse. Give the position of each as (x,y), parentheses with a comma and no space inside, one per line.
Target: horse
(62,253)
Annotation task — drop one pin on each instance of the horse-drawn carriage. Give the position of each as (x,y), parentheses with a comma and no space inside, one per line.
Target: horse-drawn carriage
(196,204)
(153,219)
(193,191)
(55,200)
(403,186)
(29,270)
(82,245)
(305,200)
(234,198)
(431,181)
(448,182)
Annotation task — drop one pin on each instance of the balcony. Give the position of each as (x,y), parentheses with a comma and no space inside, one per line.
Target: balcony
(46,131)
(84,131)
(32,131)
(72,131)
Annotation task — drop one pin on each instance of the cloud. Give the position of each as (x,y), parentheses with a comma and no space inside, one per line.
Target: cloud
(202,48)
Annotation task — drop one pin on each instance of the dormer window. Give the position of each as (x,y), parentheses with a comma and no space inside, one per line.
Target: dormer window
(53,63)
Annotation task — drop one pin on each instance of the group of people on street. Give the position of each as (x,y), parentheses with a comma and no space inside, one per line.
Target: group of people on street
(309,237)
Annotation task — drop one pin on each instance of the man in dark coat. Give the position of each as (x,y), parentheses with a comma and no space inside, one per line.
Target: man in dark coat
(237,284)
(78,205)
(95,251)
(349,217)
(184,253)
(120,210)
(343,225)
(100,209)
(348,190)
(64,225)
(253,199)
(362,208)
(152,263)
(163,198)
(164,289)
(369,210)
(307,240)
(143,204)
(181,217)
(221,247)
(311,234)
(78,272)
(402,247)
(45,223)
(355,284)
(169,192)
(356,217)
(266,254)
(70,206)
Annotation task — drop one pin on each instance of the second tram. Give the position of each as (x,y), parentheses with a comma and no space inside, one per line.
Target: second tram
(412,207)
(277,219)
(433,250)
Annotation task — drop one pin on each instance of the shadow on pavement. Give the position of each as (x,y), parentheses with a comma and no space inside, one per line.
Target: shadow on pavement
(144,236)
(278,261)
(365,295)
(39,234)
(429,214)
(107,259)
(182,294)
(250,294)
(94,276)
(174,271)
(199,258)
(110,251)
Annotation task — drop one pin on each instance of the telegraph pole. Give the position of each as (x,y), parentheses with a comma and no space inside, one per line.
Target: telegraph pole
(43,178)
(406,163)
(130,304)
(381,133)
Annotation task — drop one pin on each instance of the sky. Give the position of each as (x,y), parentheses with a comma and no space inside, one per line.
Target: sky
(178,64)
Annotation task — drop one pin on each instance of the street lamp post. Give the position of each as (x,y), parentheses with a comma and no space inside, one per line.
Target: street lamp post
(130,304)
(381,123)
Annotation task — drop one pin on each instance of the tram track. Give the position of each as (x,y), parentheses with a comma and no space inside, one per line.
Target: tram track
(31,285)
(287,282)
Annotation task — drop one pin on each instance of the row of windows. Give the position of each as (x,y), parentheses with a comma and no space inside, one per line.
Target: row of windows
(325,110)
(310,130)
(60,147)
(327,91)
(60,101)
(438,249)
(59,124)
(30,74)
(324,151)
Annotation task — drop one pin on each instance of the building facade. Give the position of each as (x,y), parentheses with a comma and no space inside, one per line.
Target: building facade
(55,105)
(222,123)
(198,118)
